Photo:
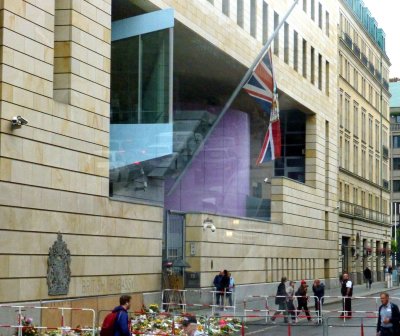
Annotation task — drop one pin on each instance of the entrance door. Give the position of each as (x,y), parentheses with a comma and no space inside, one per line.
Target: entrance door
(174,236)
(345,253)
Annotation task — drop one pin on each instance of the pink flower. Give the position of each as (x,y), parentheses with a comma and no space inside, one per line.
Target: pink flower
(222,323)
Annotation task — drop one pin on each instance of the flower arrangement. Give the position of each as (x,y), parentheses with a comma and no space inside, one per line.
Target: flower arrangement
(28,329)
(150,320)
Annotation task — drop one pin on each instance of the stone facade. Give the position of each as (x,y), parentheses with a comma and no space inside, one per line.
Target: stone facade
(54,171)
(364,198)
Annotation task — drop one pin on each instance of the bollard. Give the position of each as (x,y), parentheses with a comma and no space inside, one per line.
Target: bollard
(173,325)
(242,328)
(362,329)
(289,330)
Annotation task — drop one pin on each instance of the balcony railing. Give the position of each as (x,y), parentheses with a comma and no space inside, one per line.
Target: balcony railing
(364,59)
(356,50)
(386,85)
(371,68)
(385,152)
(385,184)
(395,127)
(354,210)
(348,40)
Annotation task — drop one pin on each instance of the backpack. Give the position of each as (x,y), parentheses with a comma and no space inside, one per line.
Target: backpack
(108,326)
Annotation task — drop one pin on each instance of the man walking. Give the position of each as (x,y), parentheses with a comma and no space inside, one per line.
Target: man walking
(302,299)
(290,301)
(122,326)
(280,300)
(388,317)
(319,292)
(368,277)
(347,293)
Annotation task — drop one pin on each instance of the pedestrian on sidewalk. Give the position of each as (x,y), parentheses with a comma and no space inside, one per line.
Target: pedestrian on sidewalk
(218,287)
(231,288)
(368,277)
(280,300)
(347,293)
(290,301)
(119,325)
(302,299)
(319,292)
(388,317)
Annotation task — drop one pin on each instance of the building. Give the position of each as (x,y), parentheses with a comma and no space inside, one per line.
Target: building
(363,183)
(124,153)
(394,87)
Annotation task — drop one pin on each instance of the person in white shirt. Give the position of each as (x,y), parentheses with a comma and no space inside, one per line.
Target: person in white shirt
(230,288)
(347,293)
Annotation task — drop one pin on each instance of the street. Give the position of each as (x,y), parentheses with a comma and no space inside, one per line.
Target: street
(333,325)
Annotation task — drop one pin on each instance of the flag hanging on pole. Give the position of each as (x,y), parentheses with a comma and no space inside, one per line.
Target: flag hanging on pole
(262,87)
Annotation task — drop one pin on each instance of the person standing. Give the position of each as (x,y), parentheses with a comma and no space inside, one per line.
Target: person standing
(319,292)
(280,300)
(347,293)
(290,301)
(218,286)
(231,288)
(388,317)
(368,277)
(224,286)
(302,299)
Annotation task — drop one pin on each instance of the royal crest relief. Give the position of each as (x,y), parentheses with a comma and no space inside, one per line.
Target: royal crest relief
(58,268)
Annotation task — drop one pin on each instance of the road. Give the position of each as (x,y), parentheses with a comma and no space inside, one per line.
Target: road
(334,326)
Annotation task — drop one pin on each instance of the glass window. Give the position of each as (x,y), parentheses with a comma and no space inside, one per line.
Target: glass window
(396,141)
(276,39)
(253,18)
(240,14)
(295,51)
(265,21)
(396,163)
(396,185)
(286,43)
(304,58)
(225,7)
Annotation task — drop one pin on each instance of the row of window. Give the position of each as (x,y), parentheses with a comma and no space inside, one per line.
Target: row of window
(351,74)
(311,65)
(362,197)
(362,48)
(309,5)
(349,160)
(350,121)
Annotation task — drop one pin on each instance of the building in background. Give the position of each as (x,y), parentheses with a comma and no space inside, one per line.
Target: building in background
(123,156)
(394,87)
(363,117)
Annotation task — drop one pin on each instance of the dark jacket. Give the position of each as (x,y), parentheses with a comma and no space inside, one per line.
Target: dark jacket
(394,320)
(122,322)
(217,281)
(225,282)
(281,291)
(319,291)
(301,294)
(367,274)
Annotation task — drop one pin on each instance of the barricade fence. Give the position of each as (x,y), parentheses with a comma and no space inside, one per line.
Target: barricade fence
(23,322)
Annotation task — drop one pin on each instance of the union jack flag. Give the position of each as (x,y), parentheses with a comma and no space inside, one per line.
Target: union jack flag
(262,87)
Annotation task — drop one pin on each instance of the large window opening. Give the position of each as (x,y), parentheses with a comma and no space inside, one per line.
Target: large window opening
(166,147)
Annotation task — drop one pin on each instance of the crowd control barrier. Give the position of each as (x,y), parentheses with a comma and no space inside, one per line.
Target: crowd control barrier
(19,325)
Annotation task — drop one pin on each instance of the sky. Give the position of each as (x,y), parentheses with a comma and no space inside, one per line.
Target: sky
(385,13)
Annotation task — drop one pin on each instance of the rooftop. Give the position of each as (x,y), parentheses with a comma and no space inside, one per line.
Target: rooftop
(366,19)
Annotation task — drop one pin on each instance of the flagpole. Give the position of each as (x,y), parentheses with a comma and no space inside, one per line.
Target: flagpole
(235,93)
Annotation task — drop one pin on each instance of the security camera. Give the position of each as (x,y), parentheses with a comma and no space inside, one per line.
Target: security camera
(266,180)
(208,224)
(19,121)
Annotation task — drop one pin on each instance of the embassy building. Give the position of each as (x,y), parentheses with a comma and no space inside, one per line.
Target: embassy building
(127,156)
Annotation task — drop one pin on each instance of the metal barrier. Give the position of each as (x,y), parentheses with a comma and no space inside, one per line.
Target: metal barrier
(248,300)
(363,324)
(178,298)
(20,319)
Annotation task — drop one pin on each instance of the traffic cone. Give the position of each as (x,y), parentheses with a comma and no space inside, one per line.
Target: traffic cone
(362,329)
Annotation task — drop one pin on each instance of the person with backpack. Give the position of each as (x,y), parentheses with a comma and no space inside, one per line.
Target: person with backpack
(319,292)
(388,317)
(280,300)
(117,323)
